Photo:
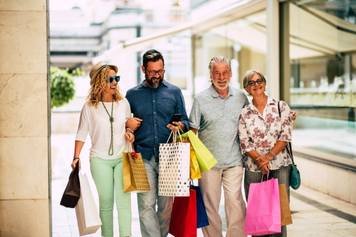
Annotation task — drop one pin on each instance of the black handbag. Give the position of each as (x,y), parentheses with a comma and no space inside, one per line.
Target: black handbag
(294,175)
(71,193)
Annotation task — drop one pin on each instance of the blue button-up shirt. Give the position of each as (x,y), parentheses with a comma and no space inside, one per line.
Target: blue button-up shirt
(155,106)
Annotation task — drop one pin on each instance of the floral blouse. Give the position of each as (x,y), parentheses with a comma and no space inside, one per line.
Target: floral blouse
(260,132)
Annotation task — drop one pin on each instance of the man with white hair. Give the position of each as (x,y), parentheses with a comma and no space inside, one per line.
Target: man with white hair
(215,115)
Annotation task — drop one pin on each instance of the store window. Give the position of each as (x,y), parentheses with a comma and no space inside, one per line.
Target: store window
(242,40)
(323,75)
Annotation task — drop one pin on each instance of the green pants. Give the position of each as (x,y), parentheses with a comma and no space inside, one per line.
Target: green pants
(107,175)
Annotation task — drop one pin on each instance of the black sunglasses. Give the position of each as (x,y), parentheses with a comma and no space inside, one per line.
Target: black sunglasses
(113,78)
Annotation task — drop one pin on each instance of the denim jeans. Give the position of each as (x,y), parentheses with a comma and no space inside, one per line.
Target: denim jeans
(282,174)
(154,223)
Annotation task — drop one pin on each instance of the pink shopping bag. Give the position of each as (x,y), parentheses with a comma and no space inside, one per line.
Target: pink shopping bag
(263,213)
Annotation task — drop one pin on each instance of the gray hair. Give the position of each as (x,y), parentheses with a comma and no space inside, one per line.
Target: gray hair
(219,59)
(249,74)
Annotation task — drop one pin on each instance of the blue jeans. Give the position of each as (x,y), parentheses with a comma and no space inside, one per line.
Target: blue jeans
(154,223)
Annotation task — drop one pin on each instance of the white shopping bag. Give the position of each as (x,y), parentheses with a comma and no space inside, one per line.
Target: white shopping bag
(87,210)
(174,168)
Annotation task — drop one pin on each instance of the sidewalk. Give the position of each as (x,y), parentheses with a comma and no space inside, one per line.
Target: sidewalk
(314,214)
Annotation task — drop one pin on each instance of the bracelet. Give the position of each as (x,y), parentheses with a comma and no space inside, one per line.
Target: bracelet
(75,158)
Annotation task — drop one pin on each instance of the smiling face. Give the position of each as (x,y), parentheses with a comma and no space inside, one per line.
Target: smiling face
(110,87)
(256,85)
(220,76)
(154,73)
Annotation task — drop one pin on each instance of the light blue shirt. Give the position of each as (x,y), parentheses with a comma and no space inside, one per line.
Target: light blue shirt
(217,121)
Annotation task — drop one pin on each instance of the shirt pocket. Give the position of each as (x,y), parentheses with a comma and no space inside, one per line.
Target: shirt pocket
(167,106)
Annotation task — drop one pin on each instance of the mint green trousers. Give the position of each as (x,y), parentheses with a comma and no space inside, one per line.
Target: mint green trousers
(107,175)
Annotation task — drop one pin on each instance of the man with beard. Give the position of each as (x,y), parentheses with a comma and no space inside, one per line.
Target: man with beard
(215,115)
(153,103)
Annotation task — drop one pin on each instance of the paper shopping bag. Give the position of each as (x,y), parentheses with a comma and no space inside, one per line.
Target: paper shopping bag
(205,158)
(194,165)
(87,210)
(174,167)
(263,213)
(202,216)
(286,216)
(184,216)
(134,173)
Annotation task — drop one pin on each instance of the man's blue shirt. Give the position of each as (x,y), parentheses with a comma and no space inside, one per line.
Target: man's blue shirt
(155,106)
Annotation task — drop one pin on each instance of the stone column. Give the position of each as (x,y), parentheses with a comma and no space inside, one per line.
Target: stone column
(24,119)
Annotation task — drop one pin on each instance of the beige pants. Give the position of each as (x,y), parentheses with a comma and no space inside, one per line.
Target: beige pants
(230,180)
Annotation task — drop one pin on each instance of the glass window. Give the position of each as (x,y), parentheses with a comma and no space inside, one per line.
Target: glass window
(242,40)
(323,76)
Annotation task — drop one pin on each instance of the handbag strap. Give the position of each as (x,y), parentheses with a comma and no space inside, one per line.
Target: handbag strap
(289,144)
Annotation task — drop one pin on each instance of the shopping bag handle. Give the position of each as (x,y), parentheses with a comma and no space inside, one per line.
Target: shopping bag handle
(175,136)
(263,175)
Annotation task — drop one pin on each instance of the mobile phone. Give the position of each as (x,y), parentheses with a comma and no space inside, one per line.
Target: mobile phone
(176,118)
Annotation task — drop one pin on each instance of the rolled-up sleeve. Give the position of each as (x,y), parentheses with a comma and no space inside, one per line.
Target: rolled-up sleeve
(195,115)
(83,127)
(182,111)
(245,142)
(287,119)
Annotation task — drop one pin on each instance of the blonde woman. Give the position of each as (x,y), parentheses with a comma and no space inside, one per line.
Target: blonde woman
(103,117)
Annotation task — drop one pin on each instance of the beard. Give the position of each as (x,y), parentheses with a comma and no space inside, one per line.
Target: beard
(154,82)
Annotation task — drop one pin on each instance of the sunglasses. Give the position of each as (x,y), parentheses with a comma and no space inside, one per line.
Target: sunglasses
(253,83)
(113,78)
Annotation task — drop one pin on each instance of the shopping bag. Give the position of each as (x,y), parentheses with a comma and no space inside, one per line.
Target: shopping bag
(286,215)
(194,165)
(71,193)
(134,172)
(202,216)
(87,210)
(263,213)
(174,167)
(205,158)
(184,216)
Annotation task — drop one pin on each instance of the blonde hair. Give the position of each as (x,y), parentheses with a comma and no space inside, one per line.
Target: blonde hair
(98,82)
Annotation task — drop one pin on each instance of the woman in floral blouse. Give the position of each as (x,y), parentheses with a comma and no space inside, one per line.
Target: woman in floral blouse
(264,135)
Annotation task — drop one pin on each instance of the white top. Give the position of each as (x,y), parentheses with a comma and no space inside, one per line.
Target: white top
(95,121)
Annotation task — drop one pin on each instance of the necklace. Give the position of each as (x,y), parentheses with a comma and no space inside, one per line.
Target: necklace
(111,119)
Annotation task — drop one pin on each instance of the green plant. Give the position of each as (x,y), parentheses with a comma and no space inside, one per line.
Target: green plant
(62,86)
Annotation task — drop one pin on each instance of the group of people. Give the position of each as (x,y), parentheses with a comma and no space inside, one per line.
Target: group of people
(247,140)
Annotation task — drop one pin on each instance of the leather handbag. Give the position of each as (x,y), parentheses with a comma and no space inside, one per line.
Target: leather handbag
(71,193)
(294,175)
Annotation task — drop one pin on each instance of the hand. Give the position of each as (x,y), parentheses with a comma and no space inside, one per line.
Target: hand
(75,162)
(265,169)
(129,136)
(133,123)
(175,126)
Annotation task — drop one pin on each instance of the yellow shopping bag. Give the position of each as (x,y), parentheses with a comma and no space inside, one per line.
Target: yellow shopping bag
(134,173)
(194,165)
(205,159)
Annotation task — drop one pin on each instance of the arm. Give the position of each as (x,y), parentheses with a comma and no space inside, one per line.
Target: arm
(184,123)
(78,145)
(82,133)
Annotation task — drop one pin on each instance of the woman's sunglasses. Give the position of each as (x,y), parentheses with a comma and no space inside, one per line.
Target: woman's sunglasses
(113,78)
